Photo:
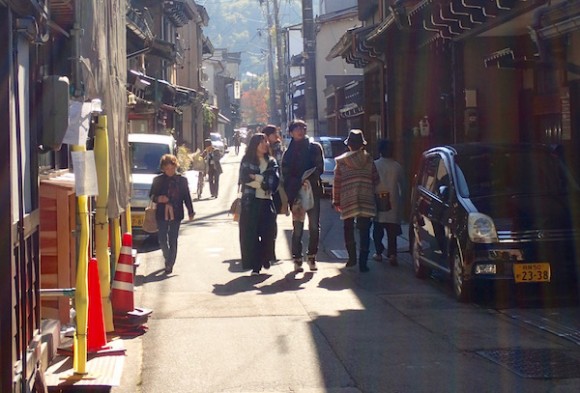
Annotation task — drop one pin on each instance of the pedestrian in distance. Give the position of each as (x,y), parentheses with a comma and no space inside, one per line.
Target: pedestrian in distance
(279,196)
(388,194)
(258,178)
(170,191)
(237,141)
(302,165)
(212,158)
(353,196)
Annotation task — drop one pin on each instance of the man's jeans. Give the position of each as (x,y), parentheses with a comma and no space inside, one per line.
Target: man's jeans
(167,236)
(313,229)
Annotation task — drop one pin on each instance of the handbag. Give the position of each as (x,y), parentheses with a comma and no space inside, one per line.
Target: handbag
(236,208)
(150,222)
(383,201)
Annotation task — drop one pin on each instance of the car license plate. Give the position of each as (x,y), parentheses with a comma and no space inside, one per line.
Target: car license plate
(532,272)
(137,220)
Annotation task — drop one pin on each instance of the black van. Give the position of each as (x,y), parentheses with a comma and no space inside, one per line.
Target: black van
(496,212)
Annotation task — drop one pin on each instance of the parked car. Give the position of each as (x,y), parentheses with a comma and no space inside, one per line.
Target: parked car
(146,152)
(218,142)
(332,146)
(501,213)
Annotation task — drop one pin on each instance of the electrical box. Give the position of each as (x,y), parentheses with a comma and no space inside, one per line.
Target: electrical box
(55,103)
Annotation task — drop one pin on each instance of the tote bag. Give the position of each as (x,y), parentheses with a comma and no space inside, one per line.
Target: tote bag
(150,222)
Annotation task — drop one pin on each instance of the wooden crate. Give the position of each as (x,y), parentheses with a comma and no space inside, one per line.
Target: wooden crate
(57,244)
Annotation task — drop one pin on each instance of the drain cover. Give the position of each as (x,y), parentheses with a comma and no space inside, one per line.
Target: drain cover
(535,363)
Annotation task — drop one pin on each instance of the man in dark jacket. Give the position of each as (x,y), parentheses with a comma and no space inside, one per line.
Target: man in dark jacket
(302,156)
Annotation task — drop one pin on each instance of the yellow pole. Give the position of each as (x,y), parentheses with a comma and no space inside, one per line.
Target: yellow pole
(128,217)
(102,219)
(117,236)
(81,292)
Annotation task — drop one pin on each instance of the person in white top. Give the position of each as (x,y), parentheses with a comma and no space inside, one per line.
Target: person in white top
(388,196)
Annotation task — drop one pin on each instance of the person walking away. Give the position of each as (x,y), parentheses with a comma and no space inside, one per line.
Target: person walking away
(212,157)
(303,157)
(237,141)
(279,196)
(353,195)
(259,178)
(389,189)
(170,191)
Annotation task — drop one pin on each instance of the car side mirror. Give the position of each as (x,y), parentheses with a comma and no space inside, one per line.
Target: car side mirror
(444,192)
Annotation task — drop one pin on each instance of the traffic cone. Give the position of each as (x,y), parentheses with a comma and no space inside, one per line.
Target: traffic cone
(122,288)
(96,335)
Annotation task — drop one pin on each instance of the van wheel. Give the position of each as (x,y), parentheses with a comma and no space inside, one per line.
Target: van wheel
(461,288)
(420,270)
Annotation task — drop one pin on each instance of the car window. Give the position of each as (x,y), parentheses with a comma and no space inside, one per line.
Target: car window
(333,148)
(512,172)
(146,156)
(215,138)
(428,173)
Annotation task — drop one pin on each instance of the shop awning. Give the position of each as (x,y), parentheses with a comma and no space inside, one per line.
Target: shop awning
(159,91)
(508,58)
(222,119)
(354,48)
(180,12)
(557,20)
(455,19)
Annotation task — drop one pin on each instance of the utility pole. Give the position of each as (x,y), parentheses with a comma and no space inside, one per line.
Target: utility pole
(274,119)
(282,80)
(309,39)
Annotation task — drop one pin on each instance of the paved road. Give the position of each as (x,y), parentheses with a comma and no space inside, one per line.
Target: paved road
(215,328)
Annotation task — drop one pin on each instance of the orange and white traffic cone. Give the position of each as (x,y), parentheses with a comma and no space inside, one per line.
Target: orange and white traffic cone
(96,336)
(127,318)
(122,288)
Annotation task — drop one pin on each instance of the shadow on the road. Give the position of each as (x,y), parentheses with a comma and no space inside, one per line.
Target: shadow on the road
(154,276)
(239,285)
(336,283)
(291,282)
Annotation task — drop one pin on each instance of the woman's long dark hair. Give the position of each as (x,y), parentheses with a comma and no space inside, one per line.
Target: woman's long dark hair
(252,149)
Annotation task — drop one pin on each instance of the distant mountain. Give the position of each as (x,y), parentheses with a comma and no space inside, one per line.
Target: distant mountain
(241,26)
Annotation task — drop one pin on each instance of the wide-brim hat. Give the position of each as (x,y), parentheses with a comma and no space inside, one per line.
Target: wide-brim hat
(355,137)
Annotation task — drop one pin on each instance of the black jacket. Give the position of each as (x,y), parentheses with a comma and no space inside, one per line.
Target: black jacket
(177,189)
(298,158)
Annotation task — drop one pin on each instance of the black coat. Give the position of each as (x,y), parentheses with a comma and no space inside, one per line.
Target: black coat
(177,189)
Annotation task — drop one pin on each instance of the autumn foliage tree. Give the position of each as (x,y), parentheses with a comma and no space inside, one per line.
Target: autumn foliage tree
(254,106)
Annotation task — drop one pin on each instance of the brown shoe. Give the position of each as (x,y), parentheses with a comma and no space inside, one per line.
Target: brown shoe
(393,260)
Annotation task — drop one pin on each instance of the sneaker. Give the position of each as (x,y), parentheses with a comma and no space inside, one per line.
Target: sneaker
(312,263)
(298,266)
(255,273)
(393,260)
(378,257)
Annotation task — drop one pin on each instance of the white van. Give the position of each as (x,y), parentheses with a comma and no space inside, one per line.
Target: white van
(146,152)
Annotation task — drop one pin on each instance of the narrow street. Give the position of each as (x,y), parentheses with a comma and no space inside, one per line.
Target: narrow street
(215,328)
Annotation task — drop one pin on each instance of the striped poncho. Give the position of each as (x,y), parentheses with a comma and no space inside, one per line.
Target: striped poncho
(355,178)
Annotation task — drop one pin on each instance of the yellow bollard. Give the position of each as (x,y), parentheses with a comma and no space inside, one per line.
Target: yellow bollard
(102,220)
(117,236)
(81,292)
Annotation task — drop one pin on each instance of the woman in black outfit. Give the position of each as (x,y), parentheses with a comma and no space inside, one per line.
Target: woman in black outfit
(259,177)
(170,191)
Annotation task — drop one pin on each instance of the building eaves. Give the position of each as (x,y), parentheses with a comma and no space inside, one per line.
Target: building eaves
(338,15)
